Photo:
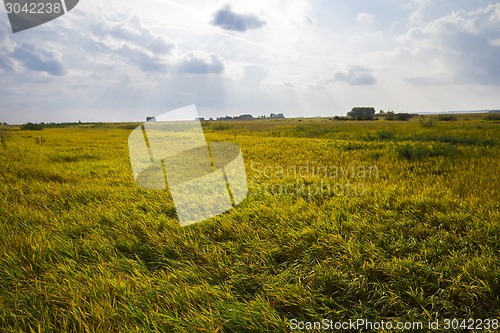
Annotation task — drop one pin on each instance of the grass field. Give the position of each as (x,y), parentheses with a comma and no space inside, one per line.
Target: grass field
(384,220)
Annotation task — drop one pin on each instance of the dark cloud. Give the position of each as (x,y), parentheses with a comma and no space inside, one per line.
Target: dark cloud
(355,76)
(202,64)
(40,60)
(229,20)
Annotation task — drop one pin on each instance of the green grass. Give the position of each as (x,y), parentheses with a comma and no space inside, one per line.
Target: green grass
(82,248)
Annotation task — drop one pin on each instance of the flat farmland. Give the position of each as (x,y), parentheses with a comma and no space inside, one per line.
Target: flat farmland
(384,220)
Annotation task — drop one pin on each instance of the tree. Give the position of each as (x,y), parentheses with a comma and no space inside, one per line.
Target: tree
(150,119)
(362,113)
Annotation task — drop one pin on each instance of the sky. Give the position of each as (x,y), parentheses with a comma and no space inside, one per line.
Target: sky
(123,60)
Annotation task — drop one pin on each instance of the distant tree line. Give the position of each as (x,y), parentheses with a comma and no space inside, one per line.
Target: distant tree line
(240,117)
(32,127)
(249,117)
(40,126)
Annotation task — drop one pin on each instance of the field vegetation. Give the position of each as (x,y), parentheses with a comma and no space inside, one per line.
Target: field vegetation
(387,220)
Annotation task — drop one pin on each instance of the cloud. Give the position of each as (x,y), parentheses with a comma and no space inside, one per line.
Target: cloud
(253,76)
(15,57)
(463,43)
(138,45)
(7,46)
(6,64)
(173,55)
(40,60)
(429,80)
(320,85)
(355,76)
(133,41)
(199,63)
(229,20)
(365,18)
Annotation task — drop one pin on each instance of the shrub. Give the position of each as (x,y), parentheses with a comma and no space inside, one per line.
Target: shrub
(417,152)
(426,121)
(386,135)
(447,117)
(457,140)
(4,135)
(340,118)
(398,116)
(493,116)
(220,127)
(32,127)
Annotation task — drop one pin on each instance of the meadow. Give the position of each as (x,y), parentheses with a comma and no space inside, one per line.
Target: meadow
(384,220)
